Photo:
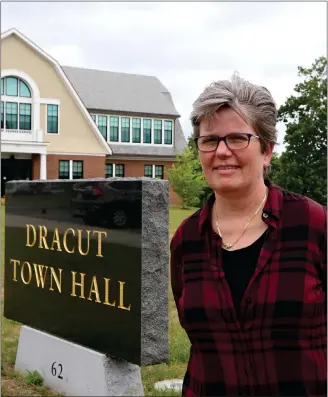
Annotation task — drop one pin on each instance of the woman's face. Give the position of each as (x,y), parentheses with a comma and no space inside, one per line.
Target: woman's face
(247,164)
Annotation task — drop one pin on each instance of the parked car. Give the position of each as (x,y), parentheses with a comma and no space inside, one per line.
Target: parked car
(108,203)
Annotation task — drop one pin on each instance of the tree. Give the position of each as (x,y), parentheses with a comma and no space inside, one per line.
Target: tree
(275,168)
(303,165)
(187,178)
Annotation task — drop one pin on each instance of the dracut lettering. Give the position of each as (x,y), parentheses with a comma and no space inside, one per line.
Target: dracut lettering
(72,240)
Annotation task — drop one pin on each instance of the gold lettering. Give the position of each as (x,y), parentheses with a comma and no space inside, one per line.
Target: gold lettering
(107,293)
(56,240)
(121,305)
(43,234)
(65,242)
(99,241)
(28,228)
(94,289)
(79,234)
(15,261)
(39,274)
(58,282)
(81,284)
(29,272)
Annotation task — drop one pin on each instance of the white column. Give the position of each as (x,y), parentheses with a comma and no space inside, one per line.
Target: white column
(43,166)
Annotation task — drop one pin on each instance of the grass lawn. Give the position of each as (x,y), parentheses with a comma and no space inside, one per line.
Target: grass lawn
(14,384)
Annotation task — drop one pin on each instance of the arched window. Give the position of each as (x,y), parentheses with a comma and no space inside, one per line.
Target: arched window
(16,104)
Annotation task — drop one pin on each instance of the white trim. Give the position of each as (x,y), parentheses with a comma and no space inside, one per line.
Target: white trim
(70,169)
(17,99)
(75,154)
(141,144)
(43,166)
(149,159)
(35,93)
(46,120)
(26,147)
(50,101)
(62,75)
(152,132)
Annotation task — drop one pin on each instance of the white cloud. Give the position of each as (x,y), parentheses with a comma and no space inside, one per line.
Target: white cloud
(186,45)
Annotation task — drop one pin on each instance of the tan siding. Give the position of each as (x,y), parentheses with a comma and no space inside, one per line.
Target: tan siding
(75,131)
(43,117)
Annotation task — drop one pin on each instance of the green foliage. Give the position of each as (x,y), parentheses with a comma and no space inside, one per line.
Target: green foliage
(303,166)
(34,378)
(275,168)
(187,178)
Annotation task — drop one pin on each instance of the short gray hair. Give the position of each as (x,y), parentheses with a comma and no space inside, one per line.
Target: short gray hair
(252,102)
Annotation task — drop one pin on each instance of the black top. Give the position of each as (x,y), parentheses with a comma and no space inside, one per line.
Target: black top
(239,266)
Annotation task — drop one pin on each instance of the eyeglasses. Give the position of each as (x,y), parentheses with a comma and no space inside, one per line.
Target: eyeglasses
(235,141)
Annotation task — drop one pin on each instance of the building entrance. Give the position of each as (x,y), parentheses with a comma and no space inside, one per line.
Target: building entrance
(14,169)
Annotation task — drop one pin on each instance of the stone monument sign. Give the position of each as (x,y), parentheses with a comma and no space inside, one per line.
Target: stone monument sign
(86,262)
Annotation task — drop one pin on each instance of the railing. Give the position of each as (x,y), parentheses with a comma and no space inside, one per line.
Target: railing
(21,135)
(16,131)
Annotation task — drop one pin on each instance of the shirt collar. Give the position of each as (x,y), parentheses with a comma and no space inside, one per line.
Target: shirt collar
(271,212)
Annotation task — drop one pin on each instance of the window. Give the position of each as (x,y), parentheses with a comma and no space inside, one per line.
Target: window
(24,116)
(11,115)
(63,169)
(136,130)
(113,134)
(148,171)
(77,169)
(11,86)
(70,169)
(102,125)
(157,131)
(167,132)
(24,91)
(52,119)
(146,131)
(119,170)
(159,171)
(2,116)
(125,129)
(108,170)
(94,117)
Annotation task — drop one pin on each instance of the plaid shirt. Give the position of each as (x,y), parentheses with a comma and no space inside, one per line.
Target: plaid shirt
(277,345)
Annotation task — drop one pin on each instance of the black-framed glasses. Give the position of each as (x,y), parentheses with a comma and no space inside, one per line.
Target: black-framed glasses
(234,141)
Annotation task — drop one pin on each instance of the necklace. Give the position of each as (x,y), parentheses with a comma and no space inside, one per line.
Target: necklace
(229,245)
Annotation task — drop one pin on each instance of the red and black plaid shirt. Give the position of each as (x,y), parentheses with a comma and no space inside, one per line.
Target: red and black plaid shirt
(277,345)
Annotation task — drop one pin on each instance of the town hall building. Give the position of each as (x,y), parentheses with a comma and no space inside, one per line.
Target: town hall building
(62,122)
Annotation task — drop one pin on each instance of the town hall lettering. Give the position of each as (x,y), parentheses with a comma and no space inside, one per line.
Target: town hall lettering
(48,277)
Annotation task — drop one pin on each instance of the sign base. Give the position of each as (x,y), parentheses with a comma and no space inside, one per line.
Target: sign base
(74,370)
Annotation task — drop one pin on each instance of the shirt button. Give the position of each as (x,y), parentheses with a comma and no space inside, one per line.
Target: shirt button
(265,215)
(249,300)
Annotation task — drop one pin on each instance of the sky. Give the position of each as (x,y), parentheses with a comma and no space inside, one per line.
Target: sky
(187,45)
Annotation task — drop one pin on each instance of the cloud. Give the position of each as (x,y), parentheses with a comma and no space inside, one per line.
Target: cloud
(186,45)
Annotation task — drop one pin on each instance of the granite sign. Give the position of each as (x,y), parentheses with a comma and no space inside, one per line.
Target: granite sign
(87,261)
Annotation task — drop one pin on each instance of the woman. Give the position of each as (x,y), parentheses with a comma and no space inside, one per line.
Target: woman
(248,270)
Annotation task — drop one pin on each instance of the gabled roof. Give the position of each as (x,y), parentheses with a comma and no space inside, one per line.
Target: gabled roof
(66,81)
(117,92)
(121,92)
